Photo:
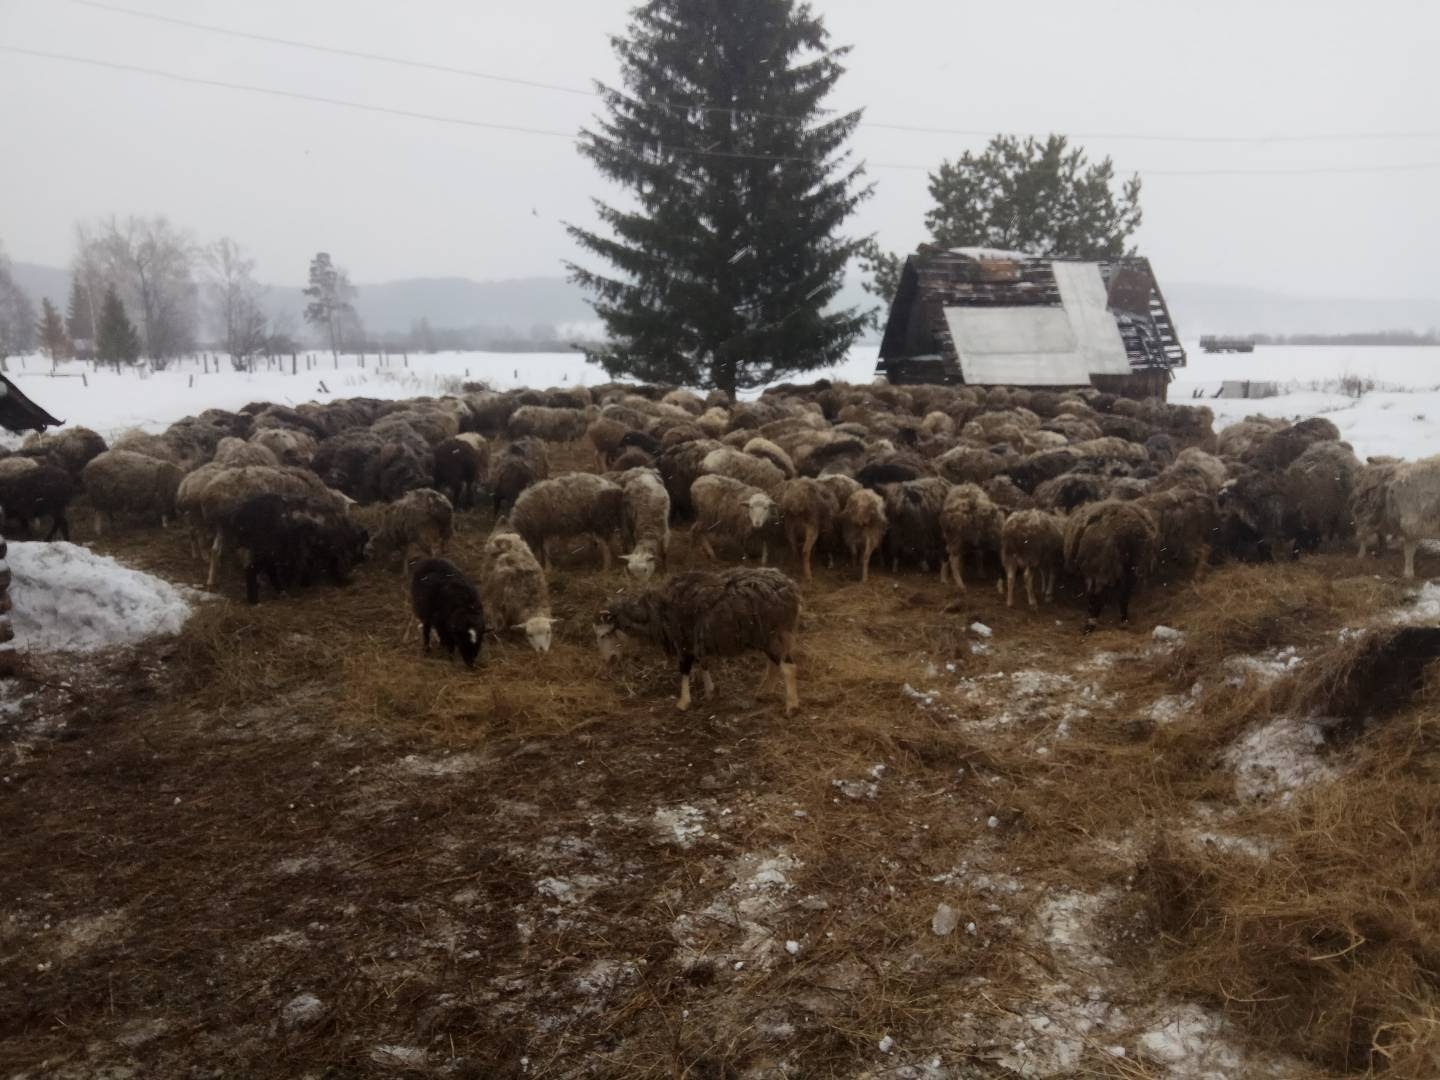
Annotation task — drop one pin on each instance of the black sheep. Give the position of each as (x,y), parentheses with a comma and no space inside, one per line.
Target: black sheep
(292,541)
(42,491)
(444,599)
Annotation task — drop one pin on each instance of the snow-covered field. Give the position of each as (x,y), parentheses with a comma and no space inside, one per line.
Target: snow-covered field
(1397,417)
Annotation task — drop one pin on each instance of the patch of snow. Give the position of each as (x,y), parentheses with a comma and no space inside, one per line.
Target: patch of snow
(887,1044)
(301,1011)
(679,825)
(1167,633)
(944,921)
(1426,607)
(1192,1042)
(1266,667)
(1276,759)
(404,1057)
(1067,923)
(440,765)
(981,629)
(857,789)
(69,599)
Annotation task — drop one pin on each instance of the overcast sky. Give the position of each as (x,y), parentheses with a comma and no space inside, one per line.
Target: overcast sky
(392,197)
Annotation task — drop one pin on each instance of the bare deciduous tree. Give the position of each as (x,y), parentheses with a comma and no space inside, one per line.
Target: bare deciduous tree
(238,319)
(150,264)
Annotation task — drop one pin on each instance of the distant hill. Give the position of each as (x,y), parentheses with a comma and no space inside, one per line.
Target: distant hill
(1229,309)
(41,281)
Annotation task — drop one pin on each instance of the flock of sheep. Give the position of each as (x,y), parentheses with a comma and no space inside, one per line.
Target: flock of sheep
(1105,488)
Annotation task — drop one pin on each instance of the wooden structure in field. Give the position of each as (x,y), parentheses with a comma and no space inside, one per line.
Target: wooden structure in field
(990,318)
(1214,344)
(17,413)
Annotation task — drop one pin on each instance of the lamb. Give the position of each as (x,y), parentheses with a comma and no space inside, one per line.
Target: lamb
(1318,488)
(31,489)
(552,425)
(443,598)
(423,518)
(513,589)
(730,509)
(1367,502)
(912,510)
(237,452)
(574,504)
(523,463)
(644,522)
(290,539)
(808,511)
(738,465)
(1111,545)
(459,465)
(1412,502)
(124,481)
(863,524)
(1032,541)
(701,615)
(969,521)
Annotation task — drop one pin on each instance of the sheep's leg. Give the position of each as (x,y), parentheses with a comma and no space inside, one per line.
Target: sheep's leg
(865,560)
(1202,560)
(99,524)
(792,696)
(1010,584)
(1410,546)
(766,678)
(686,663)
(707,682)
(424,638)
(1030,587)
(1095,600)
(1127,586)
(217,552)
(764,552)
(811,535)
(604,552)
(1050,584)
(956,561)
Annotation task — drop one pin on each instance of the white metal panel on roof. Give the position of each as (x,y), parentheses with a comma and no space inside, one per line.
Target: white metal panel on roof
(1037,345)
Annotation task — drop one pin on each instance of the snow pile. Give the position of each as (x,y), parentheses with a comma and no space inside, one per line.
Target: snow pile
(1426,608)
(69,599)
(1276,759)
(679,825)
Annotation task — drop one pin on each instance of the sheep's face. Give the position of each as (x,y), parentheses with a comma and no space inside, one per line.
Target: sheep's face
(760,509)
(538,631)
(640,564)
(608,638)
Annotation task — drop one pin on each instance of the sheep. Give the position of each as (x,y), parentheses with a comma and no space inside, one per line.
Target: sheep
(764,448)
(124,481)
(1006,494)
(912,511)
(290,539)
(343,462)
(1032,541)
(1188,524)
(552,425)
(31,489)
(644,522)
(730,509)
(1069,490)
(604,434)
(838,451)
(1253,518)
(1194,469)
(1111,545)
(1367,502)
(680,466)
(235,452)
(863,524)
(968,521)
(1318,487)
(513,589)
(71,449)
(489,411)
(808,511)
(289,447)
(459,465)
(135,441)
(433,425)
(738,465)
(569,505)
(524,462)
(444,599)
(1412,502)
(423,518)
(701,615)
(394,469)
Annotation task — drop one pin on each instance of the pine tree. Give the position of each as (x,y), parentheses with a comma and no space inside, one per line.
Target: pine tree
(51,329)
(79,318)
(722,273)
(330,295)
(116,341)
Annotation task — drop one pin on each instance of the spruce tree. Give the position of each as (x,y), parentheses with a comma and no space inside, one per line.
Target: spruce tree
(722,272)
(51,328)
(116,341)
(330,306)
(79,319)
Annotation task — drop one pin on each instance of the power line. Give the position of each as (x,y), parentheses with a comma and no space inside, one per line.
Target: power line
(412,114)
(918,129)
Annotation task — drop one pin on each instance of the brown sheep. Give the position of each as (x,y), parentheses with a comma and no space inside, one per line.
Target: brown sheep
(1031,541)
(128,482)
(730,510)
(575,504)
(1318,488)
(1189,526)
(1367,502)
(1111,545)
(969,521)
(738,465)
(700,615)
(522,463)
(807,511)
(423,518)
(863,524)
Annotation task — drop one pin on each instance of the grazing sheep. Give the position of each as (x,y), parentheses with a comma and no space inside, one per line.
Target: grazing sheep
(1188,524)
(423,518)
(445,600)
(807,511)
(522,463)
(215,493)
(738,465)
(863,524)
(575,504)
(1069,490)
(459,465)
(71,449)
(1318,488)
(543,422)
(1034,542)
(764,448)
(632,457)
(644,522)
(135,441)
(701,615)
(842,452)
(604,434)
(1111,545)
(291,539)
(1367,502)
(680,466)
(514,590)
(1412,502)
(897,469)
(31,489)
(1253,518)
(1006,494)
(343,462)
(731,510)
(290,447)
(912,511)
(234,453)
(1195,469)
(968,521)
(127,482)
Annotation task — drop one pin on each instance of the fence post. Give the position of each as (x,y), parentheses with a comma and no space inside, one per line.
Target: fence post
(293,368)
(192,380)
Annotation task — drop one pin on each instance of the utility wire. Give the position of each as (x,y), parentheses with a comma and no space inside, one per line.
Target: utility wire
(411,114)
(918,129)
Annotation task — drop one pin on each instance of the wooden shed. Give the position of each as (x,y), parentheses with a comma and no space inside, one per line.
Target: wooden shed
(988,318)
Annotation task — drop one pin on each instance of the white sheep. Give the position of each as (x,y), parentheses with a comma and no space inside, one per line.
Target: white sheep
(644,522)
(513,589)
(1412,503)
(729,509)
(863,524)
